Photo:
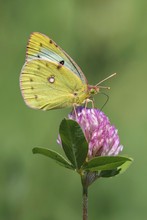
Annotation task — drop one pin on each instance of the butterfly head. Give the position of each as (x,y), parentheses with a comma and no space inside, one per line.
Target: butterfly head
(93,89)
(96,89)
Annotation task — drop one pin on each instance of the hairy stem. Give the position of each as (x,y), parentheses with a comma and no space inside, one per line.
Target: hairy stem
(85,203)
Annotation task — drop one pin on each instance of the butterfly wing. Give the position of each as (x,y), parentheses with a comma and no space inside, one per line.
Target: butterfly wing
(41,46)
(46,85)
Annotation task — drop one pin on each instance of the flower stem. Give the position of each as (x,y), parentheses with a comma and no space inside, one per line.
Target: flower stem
(85,202)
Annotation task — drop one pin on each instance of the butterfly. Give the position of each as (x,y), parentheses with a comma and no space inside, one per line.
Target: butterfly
(50,79)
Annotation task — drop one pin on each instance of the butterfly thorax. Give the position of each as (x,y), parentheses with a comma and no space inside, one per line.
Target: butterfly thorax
(84,94)
(79,95)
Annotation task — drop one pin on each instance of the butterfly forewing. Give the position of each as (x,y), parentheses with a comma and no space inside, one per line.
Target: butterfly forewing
(41,46)
(46,86)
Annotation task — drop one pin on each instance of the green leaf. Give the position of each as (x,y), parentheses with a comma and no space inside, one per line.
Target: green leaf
(121,169)
(53,155)
(125,166)
(110,173)
(73,141)
(105,163)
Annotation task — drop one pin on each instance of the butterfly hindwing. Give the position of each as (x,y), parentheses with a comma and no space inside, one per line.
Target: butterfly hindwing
(41,46)
(47,85)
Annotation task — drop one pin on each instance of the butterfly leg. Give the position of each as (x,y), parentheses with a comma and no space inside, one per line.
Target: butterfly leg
(74,109)
(89,100)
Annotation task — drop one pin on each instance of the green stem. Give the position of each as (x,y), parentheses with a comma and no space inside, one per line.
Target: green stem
(85,202)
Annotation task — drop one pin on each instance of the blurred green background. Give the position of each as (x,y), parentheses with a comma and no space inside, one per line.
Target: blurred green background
(102,37)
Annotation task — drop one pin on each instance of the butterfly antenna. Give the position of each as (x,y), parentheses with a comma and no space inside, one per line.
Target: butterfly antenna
(105,80)
(106,99)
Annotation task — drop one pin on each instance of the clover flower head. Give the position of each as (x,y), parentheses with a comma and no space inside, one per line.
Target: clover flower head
(102,137)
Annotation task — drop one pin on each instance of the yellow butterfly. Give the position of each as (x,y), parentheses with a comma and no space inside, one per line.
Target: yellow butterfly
(50,79)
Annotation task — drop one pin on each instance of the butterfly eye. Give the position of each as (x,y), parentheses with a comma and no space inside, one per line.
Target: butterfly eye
(38,56)
(93,91)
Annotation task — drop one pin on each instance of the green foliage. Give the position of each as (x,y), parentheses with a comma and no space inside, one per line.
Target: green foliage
(75,147)
(118,170)
(53,155)
(73,142)
(106,163)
